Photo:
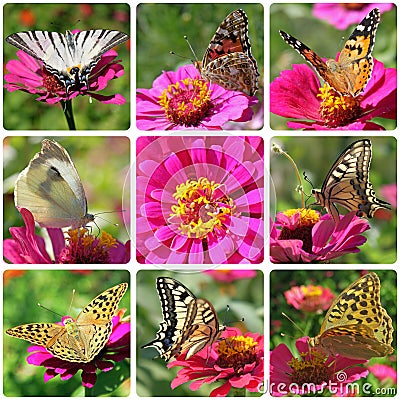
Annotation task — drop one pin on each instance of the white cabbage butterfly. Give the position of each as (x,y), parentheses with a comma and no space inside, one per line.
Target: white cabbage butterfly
(50,188)
(70,57)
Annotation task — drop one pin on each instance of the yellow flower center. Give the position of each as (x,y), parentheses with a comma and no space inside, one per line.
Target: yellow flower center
(338,110)
(186,102)
(236,351)
(310,368)
(303,229)
(201,208)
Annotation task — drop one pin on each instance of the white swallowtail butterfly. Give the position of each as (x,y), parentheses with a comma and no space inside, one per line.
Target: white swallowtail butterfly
(70,57)
(189,323)
(347,183)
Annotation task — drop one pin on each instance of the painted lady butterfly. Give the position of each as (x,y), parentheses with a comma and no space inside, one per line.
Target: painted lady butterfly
(350,74)
(228,61)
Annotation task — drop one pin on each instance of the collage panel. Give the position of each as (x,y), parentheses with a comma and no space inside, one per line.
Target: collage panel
(208,75)
(200,200)
(81,183)
(83,347)
(210,323)
(344,77)
(67,65)
(352,217)
(353,351)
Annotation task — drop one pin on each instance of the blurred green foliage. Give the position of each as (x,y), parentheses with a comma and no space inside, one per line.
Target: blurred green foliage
(310,323)
(103,165)
(297,20)
(156,37)
(314,156)
(60,17)
(245,298)
(53,289)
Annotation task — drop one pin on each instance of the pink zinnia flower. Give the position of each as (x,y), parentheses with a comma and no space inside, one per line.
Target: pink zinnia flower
(309,298)
(183,100)
(384,373)
(302,236)
(389,193)
(26,247)
(116,350)
(29,75)
(200,200)
(312,372)
(230,275)
(297,94)
(236,361)
(343,15)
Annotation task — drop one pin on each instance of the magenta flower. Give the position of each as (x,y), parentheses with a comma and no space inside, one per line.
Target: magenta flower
(297,94)
(384,373)
(343,15)
(28,75)
(231,275)
(301,236)
(26,247)
(116,350)
(236,361)
(200,200)
(309,298)
(312,372)
(183,100)
(389,193)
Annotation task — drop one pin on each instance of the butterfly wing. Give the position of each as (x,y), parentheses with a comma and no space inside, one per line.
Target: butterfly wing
(50,188)
(228,60)
(41,334)
(69,57)
(189,323)
(347,183)
(94,322)
(356,325)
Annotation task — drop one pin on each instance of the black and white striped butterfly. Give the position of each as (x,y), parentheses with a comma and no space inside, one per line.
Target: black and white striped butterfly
(70,57)
(189,323)
(347,183)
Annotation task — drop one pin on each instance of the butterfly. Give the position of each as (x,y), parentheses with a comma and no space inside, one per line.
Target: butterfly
(80,340)
(347,183)
(189,323)
(228,61)
(50,188)
(351,73)
(356,325)
(70,57)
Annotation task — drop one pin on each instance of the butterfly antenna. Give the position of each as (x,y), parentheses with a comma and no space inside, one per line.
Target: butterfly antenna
(72,299)
(48,309)
(191,49)
(294,323)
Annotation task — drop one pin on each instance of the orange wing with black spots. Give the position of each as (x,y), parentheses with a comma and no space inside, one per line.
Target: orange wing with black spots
(351,73)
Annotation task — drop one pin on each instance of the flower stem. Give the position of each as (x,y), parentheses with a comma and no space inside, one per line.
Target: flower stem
(69,114)
(277,149)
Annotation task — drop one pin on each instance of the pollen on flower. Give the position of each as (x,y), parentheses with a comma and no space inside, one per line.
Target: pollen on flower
(307,216)
(302,229)
(310,368)
(84,248)
(338,110)
(186,102)
(236,351)
(201,208)
(51,82)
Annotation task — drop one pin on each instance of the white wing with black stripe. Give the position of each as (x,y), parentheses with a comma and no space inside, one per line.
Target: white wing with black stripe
(189,323)
(347,183)
(70,57)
